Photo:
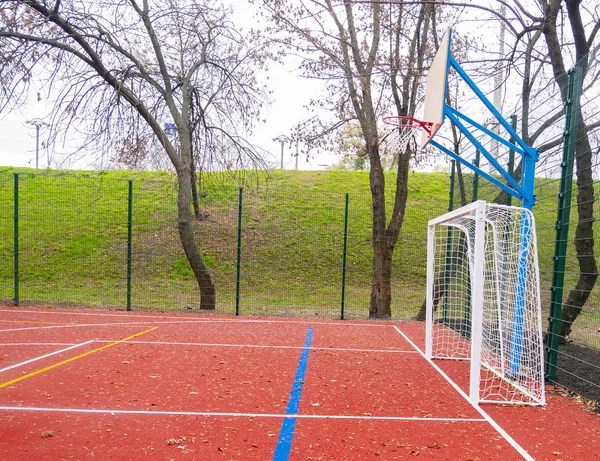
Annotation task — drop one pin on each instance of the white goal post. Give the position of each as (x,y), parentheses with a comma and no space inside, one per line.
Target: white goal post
(483,300)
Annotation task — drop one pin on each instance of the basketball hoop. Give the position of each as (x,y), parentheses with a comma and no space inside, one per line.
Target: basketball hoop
(406,128)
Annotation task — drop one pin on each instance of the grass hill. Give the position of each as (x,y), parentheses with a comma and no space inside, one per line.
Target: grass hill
(73,240)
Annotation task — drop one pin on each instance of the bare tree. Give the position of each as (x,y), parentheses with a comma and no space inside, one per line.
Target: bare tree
(569,38)
(123,68)
(570,30)
(584,233)
(364,51)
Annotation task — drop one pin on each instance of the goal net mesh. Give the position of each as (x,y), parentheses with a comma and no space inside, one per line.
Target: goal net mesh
(510,351)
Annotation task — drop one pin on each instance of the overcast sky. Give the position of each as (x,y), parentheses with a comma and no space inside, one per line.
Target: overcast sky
(290,94)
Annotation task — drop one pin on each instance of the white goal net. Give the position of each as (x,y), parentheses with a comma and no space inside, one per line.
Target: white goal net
(483,300)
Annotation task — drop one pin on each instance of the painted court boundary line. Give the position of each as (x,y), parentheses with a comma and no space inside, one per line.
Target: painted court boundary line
(284,443)
(85,354)
(45,356)
(477,408)
(238,415)
(78,325)
(266,346)
(181,319)
(36,344)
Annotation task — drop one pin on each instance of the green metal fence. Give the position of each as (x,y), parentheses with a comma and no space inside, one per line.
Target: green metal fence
(87,240)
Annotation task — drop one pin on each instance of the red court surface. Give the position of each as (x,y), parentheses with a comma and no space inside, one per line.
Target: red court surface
(131,386)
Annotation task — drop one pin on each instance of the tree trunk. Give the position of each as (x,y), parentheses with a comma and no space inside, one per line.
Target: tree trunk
(194,191)
(461,184)
(381,286)
(186,233)
(439,291)
(381,289)
(584,235)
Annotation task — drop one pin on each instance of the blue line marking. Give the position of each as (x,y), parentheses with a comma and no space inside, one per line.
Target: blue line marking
(284,443)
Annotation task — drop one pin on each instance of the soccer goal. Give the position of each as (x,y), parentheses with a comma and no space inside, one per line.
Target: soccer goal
(483,300)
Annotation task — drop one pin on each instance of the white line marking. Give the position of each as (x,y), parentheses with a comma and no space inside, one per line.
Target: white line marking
(242,415)
(136,314)
(44,356)
(477,408)
(70,325)
(35,344)
(262,346)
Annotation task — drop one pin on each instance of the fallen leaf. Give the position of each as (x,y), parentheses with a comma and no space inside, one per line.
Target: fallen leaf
(47,434)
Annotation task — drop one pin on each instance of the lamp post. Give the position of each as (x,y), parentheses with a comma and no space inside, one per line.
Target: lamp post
(37,122)
(282,139)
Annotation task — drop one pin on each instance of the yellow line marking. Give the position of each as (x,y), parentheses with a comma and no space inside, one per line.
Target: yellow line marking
(106,346)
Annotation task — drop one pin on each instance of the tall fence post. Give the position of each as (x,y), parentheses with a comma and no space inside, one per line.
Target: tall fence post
(511,157)
(448,265)
(344,258)
(562,220)
(16,237)
(476,177)
(129,239)
(452,178)
(239,253)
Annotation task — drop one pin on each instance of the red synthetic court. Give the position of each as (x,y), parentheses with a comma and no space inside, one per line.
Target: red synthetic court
(130,386)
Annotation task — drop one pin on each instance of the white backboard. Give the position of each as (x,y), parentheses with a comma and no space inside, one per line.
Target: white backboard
(435,91)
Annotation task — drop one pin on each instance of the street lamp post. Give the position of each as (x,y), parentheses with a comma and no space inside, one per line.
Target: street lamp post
(37,122)
(282,139)
(297,143)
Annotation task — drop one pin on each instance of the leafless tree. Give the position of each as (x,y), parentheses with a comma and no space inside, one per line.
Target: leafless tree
(584,46)
(124,68)
(569,29)
(371,54)
(544,38)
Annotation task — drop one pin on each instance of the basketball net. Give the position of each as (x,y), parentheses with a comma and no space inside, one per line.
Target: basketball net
(403,129)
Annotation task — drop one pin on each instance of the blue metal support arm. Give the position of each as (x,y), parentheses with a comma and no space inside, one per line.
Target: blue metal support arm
(472,167)
(485,130)
(529,151)
(517,190)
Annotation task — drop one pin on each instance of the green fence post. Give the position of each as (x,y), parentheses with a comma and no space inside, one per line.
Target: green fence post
(239,253)
(562,220)
(476,177)
(448,266)
(344,258)
(16,237)
(511,157)
(451,194)
(129,242)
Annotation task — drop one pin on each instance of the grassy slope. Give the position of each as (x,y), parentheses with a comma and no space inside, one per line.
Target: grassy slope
(73,240)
